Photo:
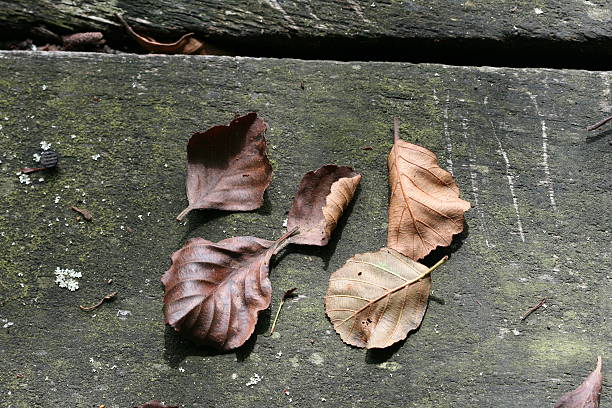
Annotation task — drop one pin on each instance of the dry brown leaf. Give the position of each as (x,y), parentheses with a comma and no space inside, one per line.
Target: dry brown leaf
(214,291)
(425,210)
(85,213)
(227,166)
(587,394)
(185,45)
(376,298)
(319,202)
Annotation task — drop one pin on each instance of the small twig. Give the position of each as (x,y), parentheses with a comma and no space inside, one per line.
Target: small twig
(533,309)
(600,123)
(106,298)
(289,293)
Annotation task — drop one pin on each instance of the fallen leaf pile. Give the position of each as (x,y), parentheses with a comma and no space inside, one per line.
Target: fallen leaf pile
(214,291)
(377,298)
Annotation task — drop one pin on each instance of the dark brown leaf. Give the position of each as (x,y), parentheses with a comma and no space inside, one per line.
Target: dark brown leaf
(425,209)
(83,41)
(227,166)
(86,214)
(155,404)
(185,45)
(319,202)
(214,291)
(587,394)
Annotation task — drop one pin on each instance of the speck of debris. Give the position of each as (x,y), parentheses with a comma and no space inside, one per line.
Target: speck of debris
(6,324)
(538,11)
(36,157)
(95,156)
(316,359)
(123,314)
(45,145)
(254,380)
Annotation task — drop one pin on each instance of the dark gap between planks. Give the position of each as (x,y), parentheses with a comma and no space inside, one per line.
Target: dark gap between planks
(522,52)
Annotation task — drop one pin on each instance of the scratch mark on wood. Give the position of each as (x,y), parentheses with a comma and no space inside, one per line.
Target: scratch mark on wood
(548,179)
(449,145)
(509,176)
(474,181)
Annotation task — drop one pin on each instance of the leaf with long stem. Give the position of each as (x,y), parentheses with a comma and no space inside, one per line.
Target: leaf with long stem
(214,291)
(376,298)
(425,210)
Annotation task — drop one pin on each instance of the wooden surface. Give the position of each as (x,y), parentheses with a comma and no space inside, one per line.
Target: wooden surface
(438,19)
(514,139)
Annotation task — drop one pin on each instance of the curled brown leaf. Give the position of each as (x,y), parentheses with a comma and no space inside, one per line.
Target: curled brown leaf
(377,298)
(587,394)
(185,45)
(425,210)
(214,291)
(319,202)
(227,166)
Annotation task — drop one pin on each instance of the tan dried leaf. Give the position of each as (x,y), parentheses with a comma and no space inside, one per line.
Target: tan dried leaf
(319,202)
(214,291)
(376,298)
(227,166)
(425,210)
(587,394)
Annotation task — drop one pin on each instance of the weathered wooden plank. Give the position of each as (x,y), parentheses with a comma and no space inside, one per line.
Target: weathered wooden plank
(514,139)
(573,21)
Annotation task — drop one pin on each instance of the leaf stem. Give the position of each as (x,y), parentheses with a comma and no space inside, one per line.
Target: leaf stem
(282,241)
(395,130)
(183,213)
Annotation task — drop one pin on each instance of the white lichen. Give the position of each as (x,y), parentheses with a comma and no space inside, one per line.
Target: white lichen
(24,179)
(67,278)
